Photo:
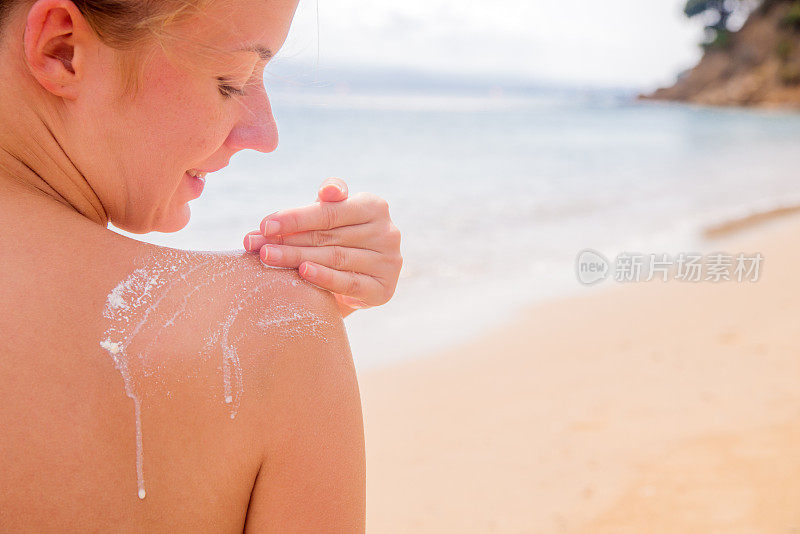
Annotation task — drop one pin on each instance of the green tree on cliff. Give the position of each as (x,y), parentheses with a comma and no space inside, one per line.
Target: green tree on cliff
(724,10)
(719,13)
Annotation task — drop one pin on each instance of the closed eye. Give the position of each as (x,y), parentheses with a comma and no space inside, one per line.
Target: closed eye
(228,90)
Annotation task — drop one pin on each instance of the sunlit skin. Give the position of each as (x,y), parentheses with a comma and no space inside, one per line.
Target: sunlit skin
(125,181)
(74,157)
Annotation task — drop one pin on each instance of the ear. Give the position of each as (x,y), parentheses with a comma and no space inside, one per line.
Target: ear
(54,46)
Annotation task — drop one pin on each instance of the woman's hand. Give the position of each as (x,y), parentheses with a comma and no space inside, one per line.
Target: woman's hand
(348,246)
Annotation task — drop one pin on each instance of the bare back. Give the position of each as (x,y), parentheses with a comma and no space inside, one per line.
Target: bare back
(150,389)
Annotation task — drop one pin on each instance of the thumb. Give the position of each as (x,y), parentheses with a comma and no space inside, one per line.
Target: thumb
(332,190)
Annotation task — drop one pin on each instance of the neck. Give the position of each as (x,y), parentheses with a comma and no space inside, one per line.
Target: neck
(32,140)
(32,158)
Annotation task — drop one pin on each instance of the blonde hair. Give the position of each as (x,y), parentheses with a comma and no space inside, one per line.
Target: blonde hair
(133,28)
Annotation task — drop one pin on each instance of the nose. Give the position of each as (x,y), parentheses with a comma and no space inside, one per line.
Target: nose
(256,128)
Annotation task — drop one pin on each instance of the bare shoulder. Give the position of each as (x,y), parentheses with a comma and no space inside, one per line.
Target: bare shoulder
(290,377)
(228,308)
(250,366)
(290,380)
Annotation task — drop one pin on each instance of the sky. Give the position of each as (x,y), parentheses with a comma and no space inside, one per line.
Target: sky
(611,43)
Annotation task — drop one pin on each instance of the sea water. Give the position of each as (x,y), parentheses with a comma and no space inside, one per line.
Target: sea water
(496,193)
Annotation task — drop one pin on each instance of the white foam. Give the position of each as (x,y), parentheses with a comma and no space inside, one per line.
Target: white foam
(112,347)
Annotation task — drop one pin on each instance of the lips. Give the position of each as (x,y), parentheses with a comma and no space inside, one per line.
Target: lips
(209,170)
(197,177)
(197,173)
(197,183)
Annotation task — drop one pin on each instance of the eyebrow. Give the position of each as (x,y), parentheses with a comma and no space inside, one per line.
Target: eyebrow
(264,53)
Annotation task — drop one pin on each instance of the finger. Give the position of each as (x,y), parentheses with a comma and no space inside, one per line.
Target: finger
(355,236)
(351,302)
(357,209)
(335,257)
(332,190)
(254,241)
(359,286)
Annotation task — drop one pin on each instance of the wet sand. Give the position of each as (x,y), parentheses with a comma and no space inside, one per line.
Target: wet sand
(644,407)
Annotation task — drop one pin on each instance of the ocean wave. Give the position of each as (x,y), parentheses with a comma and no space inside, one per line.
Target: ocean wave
(747,220)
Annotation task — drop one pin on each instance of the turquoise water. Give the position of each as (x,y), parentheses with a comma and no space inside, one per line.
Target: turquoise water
(496,193)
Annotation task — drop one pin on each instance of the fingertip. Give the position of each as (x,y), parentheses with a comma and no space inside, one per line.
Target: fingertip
(253,241)
(337,188)
(307,270)
(354,302)
(331,193)
(342,186)
(263,226)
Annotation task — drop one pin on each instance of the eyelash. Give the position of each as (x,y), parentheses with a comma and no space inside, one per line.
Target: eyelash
(228,90)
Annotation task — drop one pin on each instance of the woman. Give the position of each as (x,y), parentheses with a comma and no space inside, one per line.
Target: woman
(149,389)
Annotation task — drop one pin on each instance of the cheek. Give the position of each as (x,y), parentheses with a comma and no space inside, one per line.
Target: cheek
(176,122)
(181,128)
(184,118)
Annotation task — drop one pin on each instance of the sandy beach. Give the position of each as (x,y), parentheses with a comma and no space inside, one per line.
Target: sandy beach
(644,407)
